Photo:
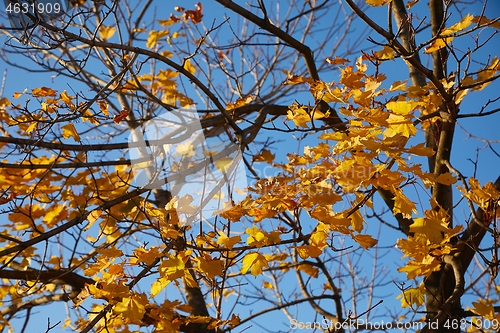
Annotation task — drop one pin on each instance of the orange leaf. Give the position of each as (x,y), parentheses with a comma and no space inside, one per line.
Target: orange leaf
(43,92)
(337,61)
(264,156)
(119,117)
(365,241)
(446,179)
(69,130)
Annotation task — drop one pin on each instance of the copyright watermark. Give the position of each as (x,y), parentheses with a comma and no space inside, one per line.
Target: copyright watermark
(203,174)
(361,324)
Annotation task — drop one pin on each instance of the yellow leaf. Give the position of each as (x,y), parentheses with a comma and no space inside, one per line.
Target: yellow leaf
(399,125)
(189,67)
(67,99)
(421,150)
(461,95)
(403,205)
(484,309)
(377,3)
(158,286)
(228,242)
(387,53)
(337,61)
(446,179)
(242,101)
(356,221)
(32,127)
(172,268)
(145,256)
(106,32)
(112,252)
(365,241)
(167,22)
(267,285)
(69,130)
(211,267)
(430,228)
(154,36)
(17,95)
(439,43)
(481,20)
(255,262)
(56,214)
(309,269)
(223,163)
(264,156)
(399,107)
(398,85)
(132,308)
(301,117)
(88,116)
(4,102)
(412,296)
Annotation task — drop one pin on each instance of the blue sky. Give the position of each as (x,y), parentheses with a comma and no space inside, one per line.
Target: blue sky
(465,147)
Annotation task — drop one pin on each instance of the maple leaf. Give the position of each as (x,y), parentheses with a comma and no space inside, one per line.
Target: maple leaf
(412,296)
(211,267)
(158,285)
(43,92)
(421,150)
(118,118)
(439,43)
(337,61)
(68,100)
(69,130)
(103,106)
(172,268)
(483,308)
(399,125)
(400,107)
(377,3)
(446,179)
(301,117)
(264,156)
(403,205)
(194,15)
(309,269)
(154,37)
(189,67)
(430,228)
(482,20)
(366,241)
(387,53)
(255,262)
(132,307)
(228,242)
(242,101)
(106,32)
(267,285)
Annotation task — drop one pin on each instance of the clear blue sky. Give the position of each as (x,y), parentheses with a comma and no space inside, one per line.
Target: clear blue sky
(464,149)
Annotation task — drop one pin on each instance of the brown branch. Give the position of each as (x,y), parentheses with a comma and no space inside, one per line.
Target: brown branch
(53,276)
(75,165)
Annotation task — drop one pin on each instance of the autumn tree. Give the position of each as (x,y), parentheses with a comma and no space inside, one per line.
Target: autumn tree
(343,115)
